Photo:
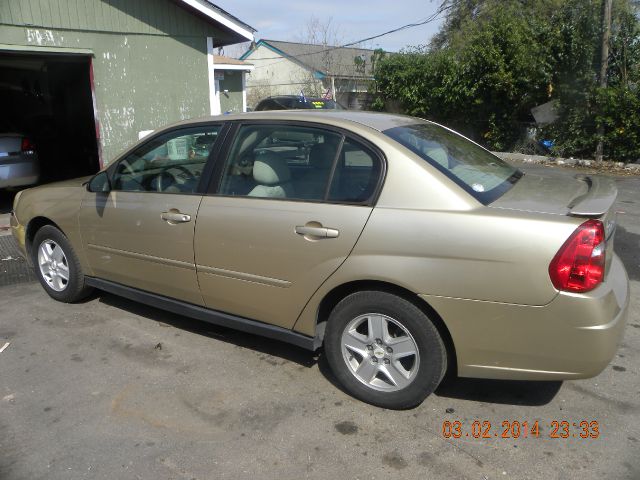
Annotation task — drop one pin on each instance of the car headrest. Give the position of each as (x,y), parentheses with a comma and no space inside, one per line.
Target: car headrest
(321,155)
(270,170)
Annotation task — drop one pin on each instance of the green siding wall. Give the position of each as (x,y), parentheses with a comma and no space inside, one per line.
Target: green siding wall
(151,17)
(231,101)
(149,63)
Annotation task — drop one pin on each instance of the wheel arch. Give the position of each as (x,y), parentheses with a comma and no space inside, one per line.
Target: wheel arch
(33,226)
(333,297)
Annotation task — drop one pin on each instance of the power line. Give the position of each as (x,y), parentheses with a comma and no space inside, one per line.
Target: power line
(430,19)
(427,20)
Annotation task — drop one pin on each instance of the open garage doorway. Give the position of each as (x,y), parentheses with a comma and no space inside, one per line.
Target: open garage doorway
(48,99)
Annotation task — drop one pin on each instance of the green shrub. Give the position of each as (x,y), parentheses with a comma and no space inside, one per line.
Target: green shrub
(495,61)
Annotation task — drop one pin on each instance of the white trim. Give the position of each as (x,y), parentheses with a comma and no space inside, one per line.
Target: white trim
(214,15)
(233,66)
(4,47)
(219,111)
(214,99)
(244,91)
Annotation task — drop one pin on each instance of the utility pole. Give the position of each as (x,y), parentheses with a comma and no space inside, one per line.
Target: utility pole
(604,65)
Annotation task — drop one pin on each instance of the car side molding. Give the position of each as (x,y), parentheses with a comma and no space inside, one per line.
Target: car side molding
(207,315)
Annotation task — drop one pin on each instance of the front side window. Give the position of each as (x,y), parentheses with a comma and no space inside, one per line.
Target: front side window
(477,171)
(170,163)
(298,163)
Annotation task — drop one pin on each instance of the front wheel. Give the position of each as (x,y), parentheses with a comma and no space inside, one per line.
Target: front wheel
(57,266)
(384,350)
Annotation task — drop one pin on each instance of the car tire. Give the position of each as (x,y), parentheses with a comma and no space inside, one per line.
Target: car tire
(361,334)
(57,266)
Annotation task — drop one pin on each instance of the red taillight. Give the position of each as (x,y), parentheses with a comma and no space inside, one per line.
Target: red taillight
(579,264)
(27,145)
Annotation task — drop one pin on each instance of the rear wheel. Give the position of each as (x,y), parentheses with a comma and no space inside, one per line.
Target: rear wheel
(57,266)
(384,350)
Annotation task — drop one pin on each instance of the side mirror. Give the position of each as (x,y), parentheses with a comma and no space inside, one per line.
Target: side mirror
(99,183)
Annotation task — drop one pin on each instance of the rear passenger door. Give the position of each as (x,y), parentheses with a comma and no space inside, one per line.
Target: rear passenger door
(284,213)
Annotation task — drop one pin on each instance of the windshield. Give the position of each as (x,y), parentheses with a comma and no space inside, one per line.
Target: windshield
(479,172)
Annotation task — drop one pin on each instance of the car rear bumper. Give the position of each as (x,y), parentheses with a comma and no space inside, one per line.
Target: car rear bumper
(574,336)
(19,173)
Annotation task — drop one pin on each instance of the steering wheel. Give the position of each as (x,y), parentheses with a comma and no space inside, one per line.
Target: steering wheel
(184,170)
(163,180)
(167,178)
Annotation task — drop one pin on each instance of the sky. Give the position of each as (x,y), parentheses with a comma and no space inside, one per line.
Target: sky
(354,20)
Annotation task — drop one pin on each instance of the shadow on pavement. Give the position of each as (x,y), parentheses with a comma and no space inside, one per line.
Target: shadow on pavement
(264,345)
(487,391)
(6,201)
(508,392)
(627,246)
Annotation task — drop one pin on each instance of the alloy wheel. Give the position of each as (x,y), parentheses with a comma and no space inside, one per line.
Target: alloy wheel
(53,264)
(380,352)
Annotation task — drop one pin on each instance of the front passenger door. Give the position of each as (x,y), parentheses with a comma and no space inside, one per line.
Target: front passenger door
(141,233)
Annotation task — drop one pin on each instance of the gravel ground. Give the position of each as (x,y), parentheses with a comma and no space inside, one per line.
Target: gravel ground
(112,389)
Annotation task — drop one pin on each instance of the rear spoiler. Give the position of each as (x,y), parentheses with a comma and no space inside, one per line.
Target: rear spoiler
(600,197)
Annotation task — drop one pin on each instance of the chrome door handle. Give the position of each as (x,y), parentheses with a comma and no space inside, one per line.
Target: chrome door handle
(321,232)
(175,217)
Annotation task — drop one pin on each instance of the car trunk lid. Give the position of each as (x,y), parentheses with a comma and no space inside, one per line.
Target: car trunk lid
(9,146)
(582,195)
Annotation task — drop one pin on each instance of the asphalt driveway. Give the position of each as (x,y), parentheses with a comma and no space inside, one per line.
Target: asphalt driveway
(110,389)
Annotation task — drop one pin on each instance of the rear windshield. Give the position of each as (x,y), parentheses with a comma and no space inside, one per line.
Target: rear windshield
(477,171)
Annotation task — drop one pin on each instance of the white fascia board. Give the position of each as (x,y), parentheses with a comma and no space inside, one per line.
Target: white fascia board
(214,97)
(211,13)
(244,92)
(229,66)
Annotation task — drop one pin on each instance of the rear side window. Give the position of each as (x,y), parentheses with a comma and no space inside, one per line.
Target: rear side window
(299,163)
(356,175)
(477,171)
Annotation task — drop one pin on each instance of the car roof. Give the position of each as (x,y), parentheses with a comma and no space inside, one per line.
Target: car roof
(306,97)
(342,118)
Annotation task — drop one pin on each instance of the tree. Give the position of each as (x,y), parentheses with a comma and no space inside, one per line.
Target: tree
(589,112)
(320,49)
(459,14)
(327,34)
(482,83)
(494,60)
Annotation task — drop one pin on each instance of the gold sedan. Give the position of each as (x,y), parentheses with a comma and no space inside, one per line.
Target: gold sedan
(402,248)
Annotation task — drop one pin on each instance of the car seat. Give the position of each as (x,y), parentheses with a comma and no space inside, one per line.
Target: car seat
(272,176)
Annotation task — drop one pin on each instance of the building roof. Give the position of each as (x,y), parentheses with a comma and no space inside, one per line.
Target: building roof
(324,59)
(227,63)
(221,59)
(233,25)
